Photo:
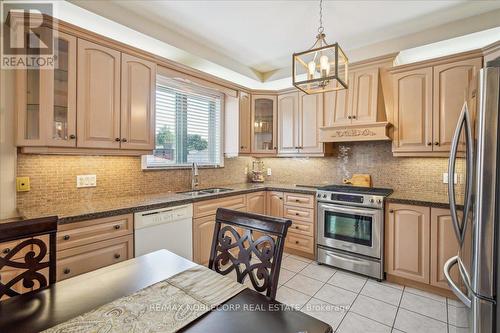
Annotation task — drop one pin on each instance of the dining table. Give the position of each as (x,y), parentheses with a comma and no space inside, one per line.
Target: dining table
(247,311)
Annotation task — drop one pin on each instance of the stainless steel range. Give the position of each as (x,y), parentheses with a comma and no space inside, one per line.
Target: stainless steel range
(350,226)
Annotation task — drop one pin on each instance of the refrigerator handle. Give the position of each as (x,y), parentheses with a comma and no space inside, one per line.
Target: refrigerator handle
(454,288)
(464,122)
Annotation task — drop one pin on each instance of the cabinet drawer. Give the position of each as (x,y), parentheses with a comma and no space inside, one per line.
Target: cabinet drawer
(6,247)
(301,243)
(299,200)
(300,214)
(87,232)
(209,207)
(301,228)
(83,259)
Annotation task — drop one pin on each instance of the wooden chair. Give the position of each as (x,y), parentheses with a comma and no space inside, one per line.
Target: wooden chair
(256,259)
(27,261)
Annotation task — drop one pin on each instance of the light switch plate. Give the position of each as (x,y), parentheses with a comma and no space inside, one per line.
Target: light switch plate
(269,172)
(445,178)
(86,181)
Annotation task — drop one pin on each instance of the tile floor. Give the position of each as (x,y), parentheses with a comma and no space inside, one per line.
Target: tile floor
(351,303)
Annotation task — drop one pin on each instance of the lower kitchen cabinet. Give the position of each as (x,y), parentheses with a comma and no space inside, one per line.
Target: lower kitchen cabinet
(88,245)
(256,202)
(83,259)
(419,240)
(274,205)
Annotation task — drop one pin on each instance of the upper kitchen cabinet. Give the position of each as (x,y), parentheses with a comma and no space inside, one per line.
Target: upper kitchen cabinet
(245,120)
(300,117)
(357,113)
(46,99)
(98,105)
(138,78)
(264,121)
(427,99)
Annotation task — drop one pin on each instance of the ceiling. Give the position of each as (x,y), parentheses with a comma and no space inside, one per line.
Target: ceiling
(257,38)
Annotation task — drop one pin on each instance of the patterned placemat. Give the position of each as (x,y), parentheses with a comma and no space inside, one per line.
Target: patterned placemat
(165,307)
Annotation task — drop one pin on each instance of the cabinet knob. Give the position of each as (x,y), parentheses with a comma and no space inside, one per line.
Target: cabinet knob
(353,117)
(117,139)
(117,256)
(296,227)
(242,147)
(296,242)
(429,143)
(66,237)
(297,214)
(124,140)
(436,143)
(67,271)
(391,210)
(280,198)
(349,117)
(6,250)
(274,148)
(72,136)
(117,226)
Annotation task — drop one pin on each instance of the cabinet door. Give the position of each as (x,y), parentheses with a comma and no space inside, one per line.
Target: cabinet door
(408,242)
(454,83)
(310,120)
(413,111)
(32,105)
(275,204)
(264,114)
(444,245)
(343,104)
(256,203)
(98,103)
(203,232)
(364,96)
(138,81)
(61,86)
(245,123)
(329,101)
(288,123)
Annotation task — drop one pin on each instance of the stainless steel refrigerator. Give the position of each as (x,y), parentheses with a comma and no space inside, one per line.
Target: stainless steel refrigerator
(475,209)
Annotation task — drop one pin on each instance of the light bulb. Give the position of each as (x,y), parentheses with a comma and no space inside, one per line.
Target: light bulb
(324,65)
(311,66)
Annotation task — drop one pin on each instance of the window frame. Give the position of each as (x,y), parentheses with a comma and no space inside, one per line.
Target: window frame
(192,87)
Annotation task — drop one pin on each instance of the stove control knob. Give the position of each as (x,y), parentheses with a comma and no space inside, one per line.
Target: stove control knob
(372,201)
(324,196)
(379,201)
(319,195)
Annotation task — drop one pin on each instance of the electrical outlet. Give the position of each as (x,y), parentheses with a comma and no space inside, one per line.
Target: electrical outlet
(445,178)
(86,181)
(246,170)
(269,173)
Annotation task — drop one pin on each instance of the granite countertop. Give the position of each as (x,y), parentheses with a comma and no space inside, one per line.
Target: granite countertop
(80,211)
(420,199)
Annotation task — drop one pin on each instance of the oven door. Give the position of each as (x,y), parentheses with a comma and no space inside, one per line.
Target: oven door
(353,229)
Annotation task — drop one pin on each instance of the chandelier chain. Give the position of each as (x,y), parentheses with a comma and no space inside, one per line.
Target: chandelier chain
(321,29)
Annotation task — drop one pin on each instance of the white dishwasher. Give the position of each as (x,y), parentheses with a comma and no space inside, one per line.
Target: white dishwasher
(168,228)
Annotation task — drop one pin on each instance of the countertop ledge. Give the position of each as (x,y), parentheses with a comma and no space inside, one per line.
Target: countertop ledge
(420,200)
(81,211)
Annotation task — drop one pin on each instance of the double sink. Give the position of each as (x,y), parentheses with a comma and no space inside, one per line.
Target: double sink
(207,191)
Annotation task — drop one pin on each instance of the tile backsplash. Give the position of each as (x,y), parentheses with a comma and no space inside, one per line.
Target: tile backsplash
(53,178)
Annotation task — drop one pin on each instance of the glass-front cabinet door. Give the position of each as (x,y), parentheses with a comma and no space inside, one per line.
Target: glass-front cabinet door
(264,117)
(46,99)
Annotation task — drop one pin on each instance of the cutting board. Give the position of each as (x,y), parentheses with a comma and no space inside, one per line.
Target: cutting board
(360,179)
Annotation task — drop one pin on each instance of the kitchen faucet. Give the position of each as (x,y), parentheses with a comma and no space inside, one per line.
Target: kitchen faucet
(194,176)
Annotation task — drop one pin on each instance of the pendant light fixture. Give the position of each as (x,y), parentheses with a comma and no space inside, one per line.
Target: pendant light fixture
(321,68)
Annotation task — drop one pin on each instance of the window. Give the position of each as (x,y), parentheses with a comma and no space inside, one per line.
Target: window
(188,126)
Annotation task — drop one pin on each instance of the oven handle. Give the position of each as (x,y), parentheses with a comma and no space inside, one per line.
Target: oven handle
(349,209)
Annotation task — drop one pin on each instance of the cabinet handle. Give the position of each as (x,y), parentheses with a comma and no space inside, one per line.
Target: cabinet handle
(117,256)
(353,117)
(436,143)
(124,140)
(67,271)
(297,214)
(66,237)
(280,198)
(72,136)
(6,250)
(117,139)
(242,147)
(296,242)
(296,227)
(349,117)
(274,148)
(429,143)
(117,226)
(391,211)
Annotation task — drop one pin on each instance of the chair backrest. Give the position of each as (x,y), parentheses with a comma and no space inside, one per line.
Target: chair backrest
(234,249)
(29,260)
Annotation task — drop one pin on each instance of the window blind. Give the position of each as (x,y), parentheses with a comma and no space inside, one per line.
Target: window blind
(188,126)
